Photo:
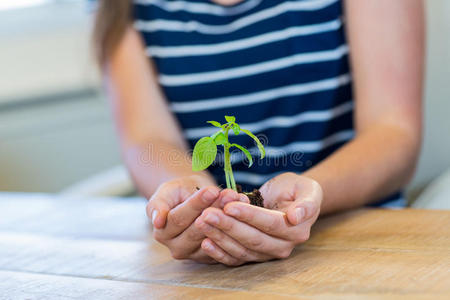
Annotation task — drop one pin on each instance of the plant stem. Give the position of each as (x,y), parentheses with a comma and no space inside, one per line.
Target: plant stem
(231,183)
(227,177)
(225,168)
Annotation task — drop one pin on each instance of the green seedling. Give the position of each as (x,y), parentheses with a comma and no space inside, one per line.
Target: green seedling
(205,150)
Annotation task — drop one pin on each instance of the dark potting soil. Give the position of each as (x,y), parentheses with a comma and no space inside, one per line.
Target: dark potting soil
(255,197)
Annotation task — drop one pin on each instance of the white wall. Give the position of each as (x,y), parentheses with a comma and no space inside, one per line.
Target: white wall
(45,147)
(45,49)
(48,147)
(435,157)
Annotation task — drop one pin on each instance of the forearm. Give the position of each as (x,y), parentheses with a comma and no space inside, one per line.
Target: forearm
(376,163)
(157,162)
(387,81)
(152,143)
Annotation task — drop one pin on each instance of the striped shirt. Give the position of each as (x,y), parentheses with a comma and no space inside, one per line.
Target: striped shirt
(280,67)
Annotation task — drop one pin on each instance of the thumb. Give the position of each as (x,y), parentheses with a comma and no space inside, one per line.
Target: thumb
(166,197)
(157,210)
(302,210)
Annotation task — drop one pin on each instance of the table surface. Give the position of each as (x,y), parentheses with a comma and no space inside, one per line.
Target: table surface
(60,248)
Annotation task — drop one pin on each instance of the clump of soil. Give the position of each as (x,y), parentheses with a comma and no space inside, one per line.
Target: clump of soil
(255,197)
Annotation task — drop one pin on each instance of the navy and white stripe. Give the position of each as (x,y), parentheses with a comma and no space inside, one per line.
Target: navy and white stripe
(260,96)
(280,121)
(254,69)
(271,37)
(280,67)
(251,19)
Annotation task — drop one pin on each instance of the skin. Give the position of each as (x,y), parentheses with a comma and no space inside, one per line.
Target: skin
(176,205)
(386,39)
(243,233)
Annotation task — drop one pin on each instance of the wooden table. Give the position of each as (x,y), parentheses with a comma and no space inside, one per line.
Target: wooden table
(56,248)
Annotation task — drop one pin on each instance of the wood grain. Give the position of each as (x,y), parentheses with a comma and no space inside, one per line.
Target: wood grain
(17,285)
(406,229)
(363,254)
(111,218)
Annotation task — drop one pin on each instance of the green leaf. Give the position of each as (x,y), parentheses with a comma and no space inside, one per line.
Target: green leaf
(205,152)
(213,136)
(230,119)
(220,138)
(214,123)
(236,129)
(258,142)
(246,152)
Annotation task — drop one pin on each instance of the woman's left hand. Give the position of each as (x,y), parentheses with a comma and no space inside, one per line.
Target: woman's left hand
(243,233)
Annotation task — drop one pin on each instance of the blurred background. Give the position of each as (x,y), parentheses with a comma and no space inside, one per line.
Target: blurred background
(56,132)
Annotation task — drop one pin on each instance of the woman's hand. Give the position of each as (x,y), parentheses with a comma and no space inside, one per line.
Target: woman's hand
(174,207)
(244,233)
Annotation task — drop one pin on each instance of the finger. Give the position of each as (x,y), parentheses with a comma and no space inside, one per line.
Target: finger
(191,236)
(167,196)
(229,195)
(218,254)
(248,236)
(183,215)
(201,257)
(189,240)
(307,200)
(157,210)
(186,243)
(305,209)
(271,191)
(301,212)
(271,222)
(229,245)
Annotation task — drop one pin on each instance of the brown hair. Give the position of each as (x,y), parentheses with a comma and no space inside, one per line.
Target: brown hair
(111,22)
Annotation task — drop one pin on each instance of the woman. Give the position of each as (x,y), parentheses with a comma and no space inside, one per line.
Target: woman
(347,137)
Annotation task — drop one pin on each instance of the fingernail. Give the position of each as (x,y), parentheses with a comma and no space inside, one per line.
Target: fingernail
(233,211)
(210,195)
(154,215)
(212,219)
(300,213)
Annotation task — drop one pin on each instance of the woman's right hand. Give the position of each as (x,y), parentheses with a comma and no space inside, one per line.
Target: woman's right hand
(175,206)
